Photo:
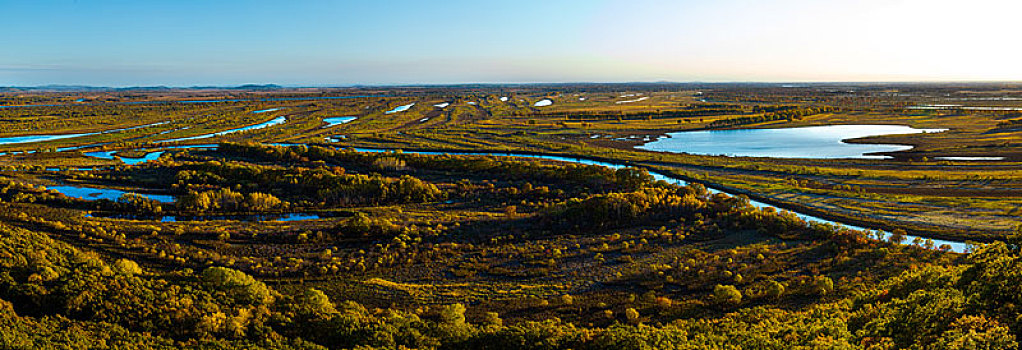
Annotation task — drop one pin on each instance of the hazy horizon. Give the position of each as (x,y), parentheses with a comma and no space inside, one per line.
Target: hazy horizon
(326,43)
(400,85)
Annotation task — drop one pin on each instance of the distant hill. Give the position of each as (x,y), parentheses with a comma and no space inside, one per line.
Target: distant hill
(239,87)
(81,88)
(258,87)
(53,88)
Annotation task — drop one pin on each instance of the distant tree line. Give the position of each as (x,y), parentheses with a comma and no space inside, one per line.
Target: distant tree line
(700,110)
(788,114)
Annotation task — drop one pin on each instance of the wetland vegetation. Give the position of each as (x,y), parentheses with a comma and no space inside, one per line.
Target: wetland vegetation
(397,217)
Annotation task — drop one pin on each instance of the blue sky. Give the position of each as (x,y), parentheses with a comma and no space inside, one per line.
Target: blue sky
(305,42)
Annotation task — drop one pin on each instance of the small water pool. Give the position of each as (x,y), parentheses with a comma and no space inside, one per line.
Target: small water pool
(337,121)
(401,108)
(94,193)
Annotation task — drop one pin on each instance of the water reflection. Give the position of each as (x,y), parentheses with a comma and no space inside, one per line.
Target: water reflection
(93,193)
(337,121)
(400,108)
(804,142)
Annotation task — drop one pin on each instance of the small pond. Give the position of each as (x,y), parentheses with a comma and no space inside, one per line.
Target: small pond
(92,193)
(337,121)
(401,108)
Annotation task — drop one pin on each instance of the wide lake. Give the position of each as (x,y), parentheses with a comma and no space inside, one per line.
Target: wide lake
(804,142)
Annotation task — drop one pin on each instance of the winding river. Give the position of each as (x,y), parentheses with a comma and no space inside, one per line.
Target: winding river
(50,137)
(956,246)
(93,193)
